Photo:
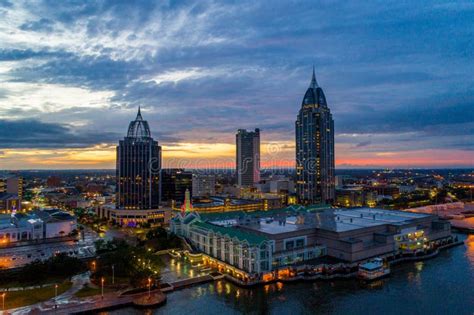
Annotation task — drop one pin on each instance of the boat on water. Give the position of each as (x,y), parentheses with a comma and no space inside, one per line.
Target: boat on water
(373,269)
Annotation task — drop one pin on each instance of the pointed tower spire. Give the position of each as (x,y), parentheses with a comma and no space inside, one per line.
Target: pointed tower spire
(314,83)
(187,205)
(139,114)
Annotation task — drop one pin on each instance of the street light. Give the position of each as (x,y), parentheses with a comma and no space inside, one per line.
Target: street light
(93,265)
(3,300)
(113,274)
(149,287)
(55,295)
(102,283)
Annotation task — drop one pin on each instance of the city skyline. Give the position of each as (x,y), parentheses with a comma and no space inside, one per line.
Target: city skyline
(72,76)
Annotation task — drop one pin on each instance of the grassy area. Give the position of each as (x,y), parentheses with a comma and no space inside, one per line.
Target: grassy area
(28,297)
(89,291)
(18,284)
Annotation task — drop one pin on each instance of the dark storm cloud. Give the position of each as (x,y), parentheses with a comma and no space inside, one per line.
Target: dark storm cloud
(432,116)
(93,72)
(36,134)
(398,73)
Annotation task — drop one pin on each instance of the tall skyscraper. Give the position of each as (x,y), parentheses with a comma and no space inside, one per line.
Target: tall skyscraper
(248,157)
(138,168)
(315,148)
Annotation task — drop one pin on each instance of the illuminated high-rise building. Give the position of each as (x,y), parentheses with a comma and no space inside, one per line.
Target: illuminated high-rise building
(248,157)
(138,168)
(315,148)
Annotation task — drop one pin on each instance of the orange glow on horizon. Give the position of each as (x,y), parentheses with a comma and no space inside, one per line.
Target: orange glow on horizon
(222,155)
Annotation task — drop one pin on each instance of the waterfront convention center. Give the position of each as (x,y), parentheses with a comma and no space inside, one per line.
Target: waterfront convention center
(259,245)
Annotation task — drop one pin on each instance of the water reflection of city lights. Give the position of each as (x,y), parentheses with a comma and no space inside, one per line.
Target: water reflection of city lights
(279,286)
(470,248)
(220,289)
(266,288)
(419,266)
(200,291)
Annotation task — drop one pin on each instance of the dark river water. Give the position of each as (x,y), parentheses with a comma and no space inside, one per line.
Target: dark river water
(443,285)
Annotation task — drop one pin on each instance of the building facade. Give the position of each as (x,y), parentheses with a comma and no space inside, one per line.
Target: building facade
(11,193)
(259,244)
(138,168)
(36,225)
(355,197)
(134,218)
(315,148)
(12,185)
(174,182)
(204,185)
(248,157)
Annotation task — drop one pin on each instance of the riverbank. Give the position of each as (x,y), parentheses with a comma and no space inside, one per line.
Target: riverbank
(114,300)
(20,298)
(433,286)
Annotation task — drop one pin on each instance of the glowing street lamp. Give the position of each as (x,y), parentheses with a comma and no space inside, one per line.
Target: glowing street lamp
(113,274)
(3,300)
(149,287)
(55,295)
(93,265)
(102,280)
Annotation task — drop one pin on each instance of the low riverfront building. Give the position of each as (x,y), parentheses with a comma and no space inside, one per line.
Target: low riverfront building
(134,217)
(255,244)
(36,225)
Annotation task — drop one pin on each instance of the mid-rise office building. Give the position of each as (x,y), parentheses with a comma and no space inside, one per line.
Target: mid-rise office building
(53,181)
(276,185)
(248,157)
(12,184)
(11,193)
(355,196)
(174,182)
(315,148)
(138,168)
(384,191)
(204,185)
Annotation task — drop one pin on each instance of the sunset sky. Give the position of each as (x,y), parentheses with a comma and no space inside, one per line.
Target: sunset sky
(398,77)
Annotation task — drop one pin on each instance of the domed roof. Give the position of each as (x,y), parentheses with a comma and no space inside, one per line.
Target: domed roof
(314,95)
(139,128)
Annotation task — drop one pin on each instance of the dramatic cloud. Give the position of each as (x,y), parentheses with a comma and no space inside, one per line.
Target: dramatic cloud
(36,134)
(398,78)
